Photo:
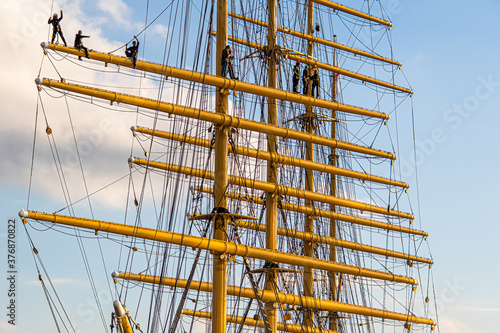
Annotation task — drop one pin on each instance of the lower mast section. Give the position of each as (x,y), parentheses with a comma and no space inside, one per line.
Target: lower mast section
(219,294)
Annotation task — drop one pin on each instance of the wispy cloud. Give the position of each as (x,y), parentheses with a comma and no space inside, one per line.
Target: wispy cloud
(480,309)
(453,325)
(118,10)
(160,29)
(8,328)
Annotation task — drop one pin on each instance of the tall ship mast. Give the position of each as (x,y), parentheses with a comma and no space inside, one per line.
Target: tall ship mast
(256,200)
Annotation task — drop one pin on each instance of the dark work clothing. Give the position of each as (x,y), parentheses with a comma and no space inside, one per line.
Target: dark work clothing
(78,39)
(131,52)
(227,64)
(225,54)
(230,67)
(305,81)
(315,84)
(56,29)
(79,44)
(296,77)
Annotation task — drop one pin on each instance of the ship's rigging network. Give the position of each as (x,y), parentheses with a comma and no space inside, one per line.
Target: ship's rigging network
(170,187)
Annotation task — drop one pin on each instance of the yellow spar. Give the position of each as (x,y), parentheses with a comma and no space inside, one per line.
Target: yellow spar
(311,237)
(317,40)
(216,118)
(351,11)
(277,158)
(279,297)
(333,69)
(284,327)
(220,82)
(215,245)
(274,188)
(325,213)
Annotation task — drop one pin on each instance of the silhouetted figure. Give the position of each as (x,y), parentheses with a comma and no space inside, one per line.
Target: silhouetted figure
(56,27)
(296,77)
(79,44)
(316,83)
(305,80)
(131,52)
(227,63)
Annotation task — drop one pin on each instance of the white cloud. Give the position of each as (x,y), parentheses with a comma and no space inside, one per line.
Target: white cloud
(8,328)
(453,325)
(160,29)
(104,136)
(479,309)
(118,10)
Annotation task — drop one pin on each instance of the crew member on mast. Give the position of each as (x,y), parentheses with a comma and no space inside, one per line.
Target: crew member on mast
(227,63)
(296,77)
(79,44)
(131,52)
(316,83)
(56,27)
(305,80)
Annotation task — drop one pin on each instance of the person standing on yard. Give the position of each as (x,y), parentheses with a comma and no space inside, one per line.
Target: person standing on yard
(56,27)
(296,77)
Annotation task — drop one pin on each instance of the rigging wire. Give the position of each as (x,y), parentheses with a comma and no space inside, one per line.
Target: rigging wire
(144,30)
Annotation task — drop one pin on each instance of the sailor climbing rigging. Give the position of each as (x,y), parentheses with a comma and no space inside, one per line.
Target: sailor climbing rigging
(316,83)
(305,80)
(131,52)
(227,63)
(296,77)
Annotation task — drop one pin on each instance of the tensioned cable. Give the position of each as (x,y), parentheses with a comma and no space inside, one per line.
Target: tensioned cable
(63,183)
(171,2)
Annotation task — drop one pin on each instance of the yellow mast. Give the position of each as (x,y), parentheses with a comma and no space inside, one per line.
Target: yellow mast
(219,294)
(219,246)
(271,197)
(333,317)
(122,318)
(308,315)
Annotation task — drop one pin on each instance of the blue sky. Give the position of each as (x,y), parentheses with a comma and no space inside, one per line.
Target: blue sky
(450,55)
